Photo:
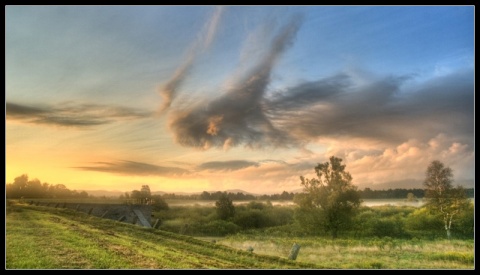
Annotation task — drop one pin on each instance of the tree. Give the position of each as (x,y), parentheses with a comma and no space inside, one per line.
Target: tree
(158,203)
(441,196)
(136,196)
(60,191)
(331,196)
(205,196)
(225,208)
(18,187)
(141,197)
(411,197)
(146,194)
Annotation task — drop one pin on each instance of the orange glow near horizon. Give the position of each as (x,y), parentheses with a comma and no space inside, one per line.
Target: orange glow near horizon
(88,180)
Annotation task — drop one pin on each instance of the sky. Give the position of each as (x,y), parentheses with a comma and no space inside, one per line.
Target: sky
(207,98)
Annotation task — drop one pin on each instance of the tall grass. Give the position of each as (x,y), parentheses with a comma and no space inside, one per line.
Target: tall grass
(372,253)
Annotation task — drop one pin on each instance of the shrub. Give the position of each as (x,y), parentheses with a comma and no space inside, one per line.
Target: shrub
(225,207)
(253,218)
(215,228)
(388,227)
(159,203)
(311,220)
(288,230)
(258,205)
(280,215)
(423,224)
(465,223)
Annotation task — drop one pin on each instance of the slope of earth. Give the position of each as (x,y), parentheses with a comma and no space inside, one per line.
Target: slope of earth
(40,237)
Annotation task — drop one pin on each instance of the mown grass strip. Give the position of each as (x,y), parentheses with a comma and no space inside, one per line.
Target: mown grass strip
(65,239)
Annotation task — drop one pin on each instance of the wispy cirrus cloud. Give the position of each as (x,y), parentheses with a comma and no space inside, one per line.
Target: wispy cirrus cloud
(134,168)
(71,114)
(170,89)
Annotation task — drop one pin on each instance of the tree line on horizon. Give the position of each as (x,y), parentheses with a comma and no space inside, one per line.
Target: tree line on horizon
(367,193)
(23,187)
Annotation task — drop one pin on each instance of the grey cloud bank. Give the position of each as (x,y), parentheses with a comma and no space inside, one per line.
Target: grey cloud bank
(227,165)
(381,108)
(72,115)
(134,168)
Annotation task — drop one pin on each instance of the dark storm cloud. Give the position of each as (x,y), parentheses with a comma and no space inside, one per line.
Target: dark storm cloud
(134,168)
(72,115)
(378,110)
(237,117)
(332,107)
(310,92)
(227,165)
(389,109)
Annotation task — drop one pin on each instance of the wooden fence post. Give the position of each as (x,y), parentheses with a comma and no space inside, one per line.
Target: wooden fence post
(105,213)
(157,224)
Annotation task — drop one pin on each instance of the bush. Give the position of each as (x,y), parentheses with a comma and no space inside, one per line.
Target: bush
(464,224)
(311,220)
(259,205)
(253,218)
(174,225)
(215,228)
(260,215)
(288,230)
(225,207)
(388,227)
(363,222)
(421,219)
(280,215)
(159,203)
(423,224)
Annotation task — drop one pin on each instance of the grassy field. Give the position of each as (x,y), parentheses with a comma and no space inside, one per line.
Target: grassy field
(383,253)
(51,238)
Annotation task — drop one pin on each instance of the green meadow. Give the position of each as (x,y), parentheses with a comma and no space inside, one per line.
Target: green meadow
(39,237)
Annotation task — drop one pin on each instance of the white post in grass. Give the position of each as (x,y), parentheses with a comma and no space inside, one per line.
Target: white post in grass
(294,252)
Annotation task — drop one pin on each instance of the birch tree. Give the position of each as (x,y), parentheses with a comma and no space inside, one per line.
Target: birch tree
(441,196)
